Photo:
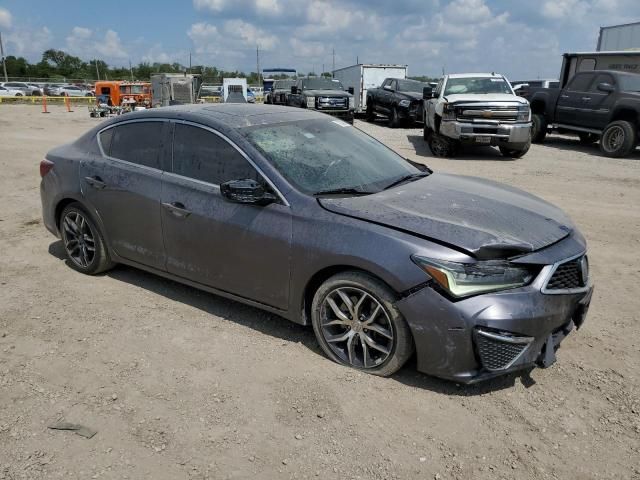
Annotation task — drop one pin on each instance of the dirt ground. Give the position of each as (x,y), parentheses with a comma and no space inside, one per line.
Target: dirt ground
(181,384)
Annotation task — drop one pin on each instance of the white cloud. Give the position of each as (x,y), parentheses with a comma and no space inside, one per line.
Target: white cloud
(5,18)
(111,46)
(560,9)
(82,41)
(28,42)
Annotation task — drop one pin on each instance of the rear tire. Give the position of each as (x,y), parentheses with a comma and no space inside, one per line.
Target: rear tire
(442,146)
(538,128)
(83,242)
(357,324)
(618,139)
(515,153)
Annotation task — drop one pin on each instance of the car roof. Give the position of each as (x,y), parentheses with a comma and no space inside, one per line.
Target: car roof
(227,115)
(469,75)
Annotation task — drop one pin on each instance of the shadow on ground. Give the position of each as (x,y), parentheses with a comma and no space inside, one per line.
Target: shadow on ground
(571,144)
(464,153)
(278,327)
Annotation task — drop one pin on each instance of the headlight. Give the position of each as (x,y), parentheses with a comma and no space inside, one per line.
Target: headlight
(464,279)
(311,102)
(351,103)
(524,113)
(404,103)
(448,112)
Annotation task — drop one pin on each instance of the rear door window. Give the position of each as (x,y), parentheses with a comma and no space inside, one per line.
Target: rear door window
(202,155)
(137,142)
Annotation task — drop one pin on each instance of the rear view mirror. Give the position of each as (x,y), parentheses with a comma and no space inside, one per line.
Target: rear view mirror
(350,90)
(427,93)
(605,87)
(246,191)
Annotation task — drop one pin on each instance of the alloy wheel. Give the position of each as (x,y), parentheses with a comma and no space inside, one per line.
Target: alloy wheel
(356,327)
(78,238)
(614,138)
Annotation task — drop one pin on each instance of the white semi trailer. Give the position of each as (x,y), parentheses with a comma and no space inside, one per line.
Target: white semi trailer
(363,76)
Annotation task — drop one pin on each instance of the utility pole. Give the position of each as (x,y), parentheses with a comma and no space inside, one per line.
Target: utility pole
(97,70)
(258,63)
(4,64)
(333,69)
(189,61)
(130,71)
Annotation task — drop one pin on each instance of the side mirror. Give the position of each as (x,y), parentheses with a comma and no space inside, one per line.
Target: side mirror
(427,93)
(350,90)
(246,191)
(388,87)
(294,90)
(605,87)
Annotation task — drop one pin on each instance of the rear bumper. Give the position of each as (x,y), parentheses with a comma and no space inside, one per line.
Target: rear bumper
(447,333)
(511,135)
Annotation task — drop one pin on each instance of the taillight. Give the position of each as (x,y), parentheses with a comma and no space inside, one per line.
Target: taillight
(45,167)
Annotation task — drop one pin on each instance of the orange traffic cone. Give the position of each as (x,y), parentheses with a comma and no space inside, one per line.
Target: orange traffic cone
(67,102)
(44,103)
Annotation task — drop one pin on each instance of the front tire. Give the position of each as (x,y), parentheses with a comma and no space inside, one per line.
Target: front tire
(538,128)
(618,139)
(357,324)
(83,242)
(442,146)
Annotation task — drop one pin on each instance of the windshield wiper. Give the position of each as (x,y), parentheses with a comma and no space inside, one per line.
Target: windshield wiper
(406,178)
(347,190)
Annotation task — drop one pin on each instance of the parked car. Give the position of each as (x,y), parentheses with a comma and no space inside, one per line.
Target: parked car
(597,105)
(25,88)
(251,96)
(324,95)
(296,213)
(476,109)
(279,92)
(399,99)
(51,88)
(71,91)
(10,92)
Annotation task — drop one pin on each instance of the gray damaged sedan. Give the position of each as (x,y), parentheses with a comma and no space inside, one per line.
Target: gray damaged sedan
(305,216)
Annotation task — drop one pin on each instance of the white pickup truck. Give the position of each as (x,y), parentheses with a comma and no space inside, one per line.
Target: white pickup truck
(477,109)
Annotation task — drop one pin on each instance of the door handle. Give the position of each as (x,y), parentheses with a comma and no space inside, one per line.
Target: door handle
(95,182)
(177,209)
(586,99)
(564,96)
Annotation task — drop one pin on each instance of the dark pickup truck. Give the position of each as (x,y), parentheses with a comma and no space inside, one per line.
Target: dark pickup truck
(400,100)
(598,104)
(324,95)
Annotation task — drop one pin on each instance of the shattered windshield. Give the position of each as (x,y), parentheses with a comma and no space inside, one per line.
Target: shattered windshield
(477,85)
(322,155)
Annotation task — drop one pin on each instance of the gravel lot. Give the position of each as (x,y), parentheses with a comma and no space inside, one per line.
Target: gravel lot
(181,384)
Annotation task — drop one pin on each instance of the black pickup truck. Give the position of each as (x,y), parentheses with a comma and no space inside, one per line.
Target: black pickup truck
(597,105)
(324,95)
(400,100)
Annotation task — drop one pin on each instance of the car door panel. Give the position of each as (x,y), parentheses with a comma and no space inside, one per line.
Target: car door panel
(569,107)
(596,105)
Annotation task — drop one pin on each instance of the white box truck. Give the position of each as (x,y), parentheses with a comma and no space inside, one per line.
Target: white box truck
(363,76)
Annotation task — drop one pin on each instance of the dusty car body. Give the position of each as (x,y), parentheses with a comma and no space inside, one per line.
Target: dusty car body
(480,278)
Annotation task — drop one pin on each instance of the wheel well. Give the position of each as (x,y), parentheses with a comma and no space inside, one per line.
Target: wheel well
(537,107)
(319,278)
(436,123)
(62,204)
(627,114)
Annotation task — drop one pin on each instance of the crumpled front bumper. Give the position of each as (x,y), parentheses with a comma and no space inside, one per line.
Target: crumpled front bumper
(499,134)
(446,332)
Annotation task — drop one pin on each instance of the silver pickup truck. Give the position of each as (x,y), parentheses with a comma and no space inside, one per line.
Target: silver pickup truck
(477,109)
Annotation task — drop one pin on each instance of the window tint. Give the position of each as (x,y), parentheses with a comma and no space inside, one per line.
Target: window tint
(601,78)
(202,155)
(138,142)
(580,83)
(105,141)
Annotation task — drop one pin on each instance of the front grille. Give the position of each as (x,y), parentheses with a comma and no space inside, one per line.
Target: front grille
(332,102)
(498,351)
(479,113)
(569,275)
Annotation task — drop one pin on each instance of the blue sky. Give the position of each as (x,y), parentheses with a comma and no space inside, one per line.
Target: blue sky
(521,39)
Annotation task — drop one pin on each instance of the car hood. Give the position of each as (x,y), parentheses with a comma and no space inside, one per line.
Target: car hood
(485,97)
(323,93)
(483,218)
(412,95)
